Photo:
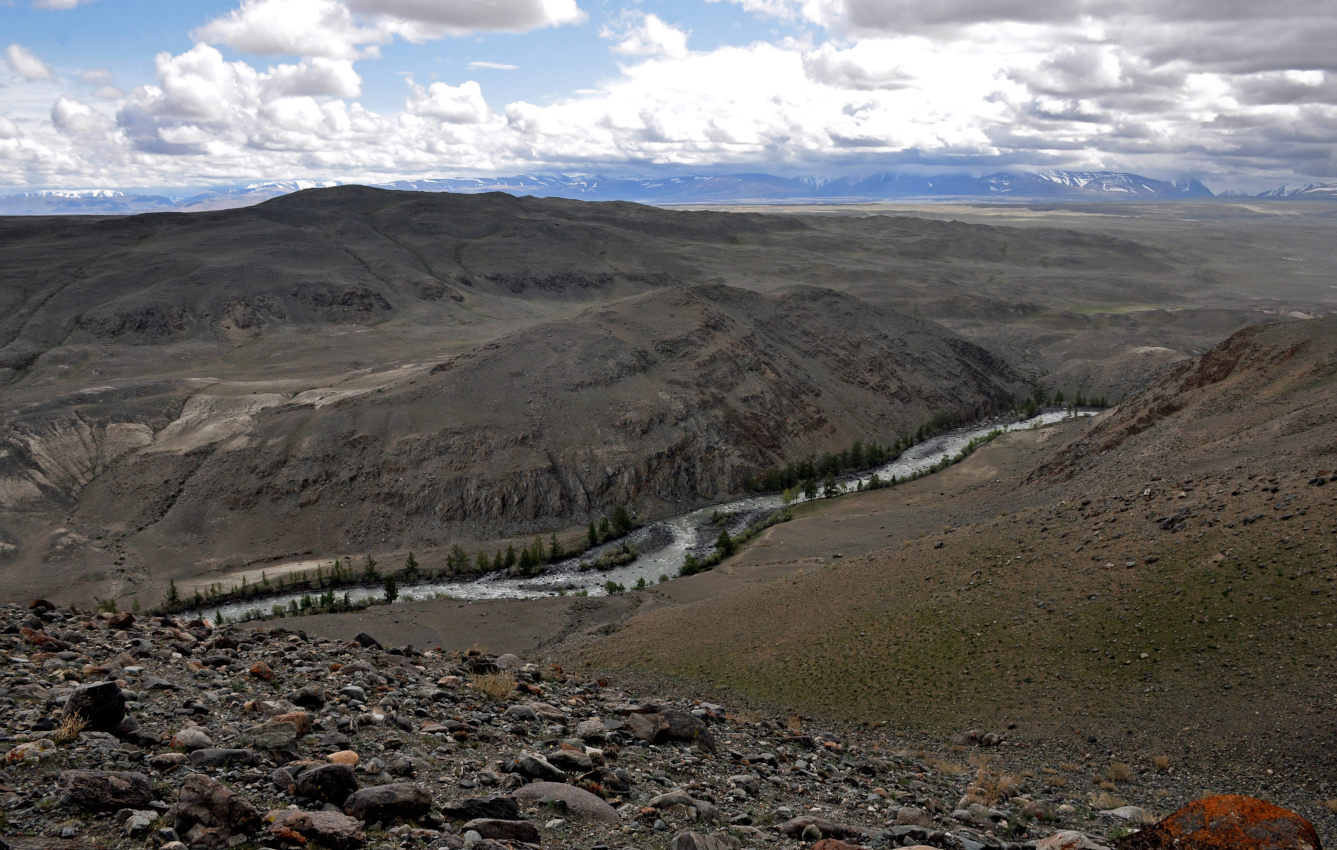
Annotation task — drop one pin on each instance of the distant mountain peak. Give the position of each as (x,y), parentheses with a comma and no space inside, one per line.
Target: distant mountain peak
(744,187)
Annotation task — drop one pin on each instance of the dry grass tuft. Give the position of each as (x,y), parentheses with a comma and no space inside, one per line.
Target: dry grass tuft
(1105,800)
(1119,772)
(1056,781)
(991,784)
(1161,763)
(1331,805)
(70,727)
(945,766)
(497,686)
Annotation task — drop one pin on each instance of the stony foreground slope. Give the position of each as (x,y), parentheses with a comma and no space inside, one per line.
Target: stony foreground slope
(1164,584)
(125,732)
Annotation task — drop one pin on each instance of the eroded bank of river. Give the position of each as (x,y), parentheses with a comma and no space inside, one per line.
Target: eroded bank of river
(662,545)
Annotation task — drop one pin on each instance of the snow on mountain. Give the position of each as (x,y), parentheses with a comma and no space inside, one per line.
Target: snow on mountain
(1313,191)
(682,189)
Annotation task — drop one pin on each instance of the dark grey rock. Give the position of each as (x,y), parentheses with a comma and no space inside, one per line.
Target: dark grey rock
(104,790)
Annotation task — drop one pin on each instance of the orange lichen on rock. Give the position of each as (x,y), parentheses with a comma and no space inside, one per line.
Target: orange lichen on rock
(1226,822)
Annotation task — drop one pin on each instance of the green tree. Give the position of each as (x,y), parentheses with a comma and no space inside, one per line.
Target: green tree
(481,562)
(527,562)
(369,569)
(810,489)
(458,559)
(724,544)
(410,568)
(173,595)
(605,531)
(391,588)
(831,488)
(510,557)
(592,534)
(622,520)
(554,549)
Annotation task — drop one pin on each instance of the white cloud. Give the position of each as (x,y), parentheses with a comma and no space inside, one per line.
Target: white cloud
(8,129)
(26,64)
(59,4)
(462,104)
(650,37)
(465,16)
(71,116)
(101,80)
(479,64)
(314,77)
(294,27)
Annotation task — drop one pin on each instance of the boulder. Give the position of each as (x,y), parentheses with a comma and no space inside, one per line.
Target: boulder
(671,726)
(325,829)
(398,801)
(795,827)
(101,705)
(326,783)
(191,738)
(494,806)
(104,790)
(579,803)
(505,830)
(278,737)
(223,757)
(209,814)
(701,841)
(1226,822)
(534,767)
(1070,840)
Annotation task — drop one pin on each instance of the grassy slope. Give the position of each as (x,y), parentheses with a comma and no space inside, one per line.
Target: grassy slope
(1024,610)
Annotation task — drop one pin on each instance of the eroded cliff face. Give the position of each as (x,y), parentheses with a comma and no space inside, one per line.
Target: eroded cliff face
(660,402)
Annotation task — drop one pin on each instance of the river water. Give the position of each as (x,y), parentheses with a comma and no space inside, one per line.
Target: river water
(662,545)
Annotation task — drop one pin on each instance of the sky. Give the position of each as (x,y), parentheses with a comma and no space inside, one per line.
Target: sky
(158,94)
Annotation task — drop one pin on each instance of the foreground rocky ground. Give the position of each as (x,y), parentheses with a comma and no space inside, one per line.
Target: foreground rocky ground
(126,732)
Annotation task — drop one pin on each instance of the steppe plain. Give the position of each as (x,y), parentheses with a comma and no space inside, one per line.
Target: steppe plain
(1157,582)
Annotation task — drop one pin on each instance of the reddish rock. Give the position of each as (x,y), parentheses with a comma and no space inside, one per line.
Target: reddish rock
(209,814)
(1226,822)
(41,639)
(121,620)
(837,844)
(299,719)
(326,829)
(261,670)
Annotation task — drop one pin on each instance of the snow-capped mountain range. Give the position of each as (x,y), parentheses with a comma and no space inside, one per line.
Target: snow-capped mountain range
(1313,191)
(1107,186)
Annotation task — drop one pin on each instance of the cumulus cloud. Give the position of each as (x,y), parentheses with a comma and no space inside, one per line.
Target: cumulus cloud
(26,64)
(462,104)
(649,36)
(314,77)
(462,16)
(71,116)
(1164,88)
(294,27)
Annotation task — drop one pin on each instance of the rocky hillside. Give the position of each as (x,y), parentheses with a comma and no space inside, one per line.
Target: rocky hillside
(124,732)
(658,402)
(1144,583)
